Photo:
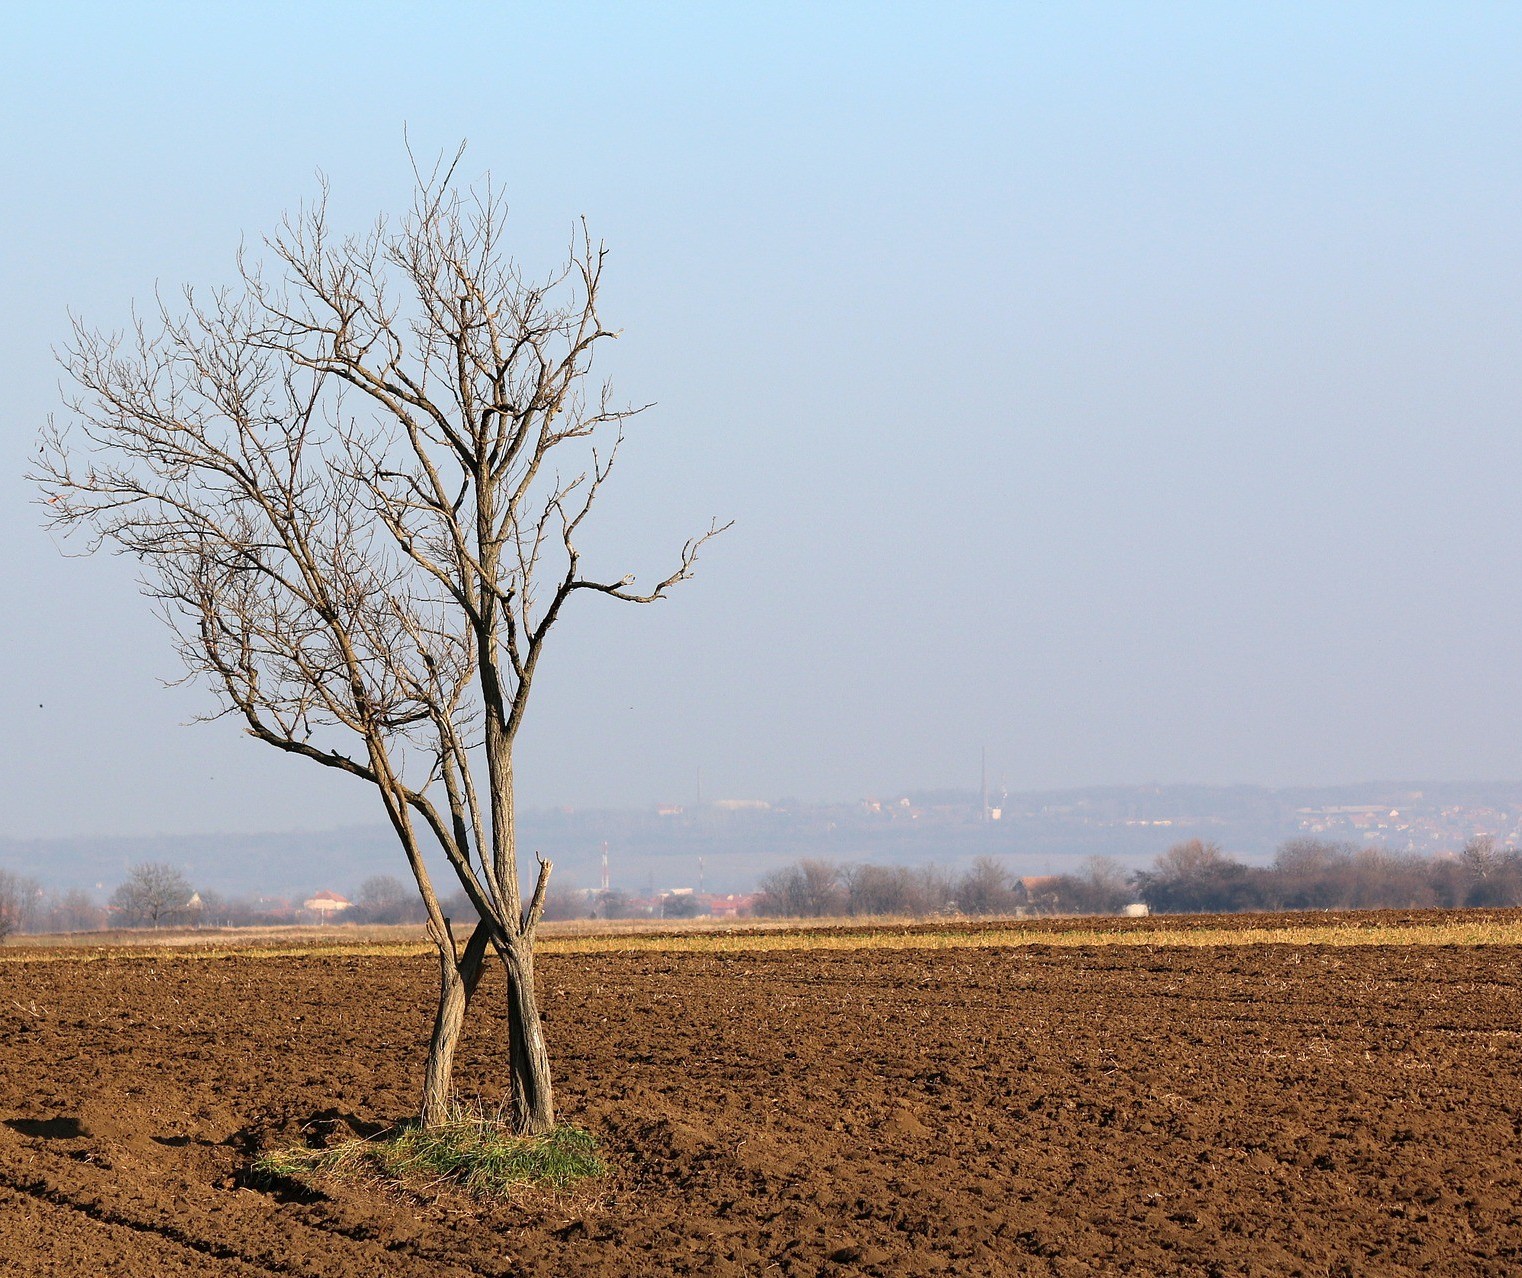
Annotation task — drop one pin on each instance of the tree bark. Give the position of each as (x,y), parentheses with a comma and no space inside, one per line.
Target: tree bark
(533,1092)
(458,979)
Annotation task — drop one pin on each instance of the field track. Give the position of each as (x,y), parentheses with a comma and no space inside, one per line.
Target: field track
(1147,1101)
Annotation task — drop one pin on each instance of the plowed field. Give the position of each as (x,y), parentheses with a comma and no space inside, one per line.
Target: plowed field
(1253,1109)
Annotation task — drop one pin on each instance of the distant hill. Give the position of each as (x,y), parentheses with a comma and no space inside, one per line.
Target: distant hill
(726,845)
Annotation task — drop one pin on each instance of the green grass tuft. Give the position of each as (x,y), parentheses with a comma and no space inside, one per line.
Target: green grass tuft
(471,1151)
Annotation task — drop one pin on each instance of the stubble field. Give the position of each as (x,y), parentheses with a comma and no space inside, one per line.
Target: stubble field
(1055,1103)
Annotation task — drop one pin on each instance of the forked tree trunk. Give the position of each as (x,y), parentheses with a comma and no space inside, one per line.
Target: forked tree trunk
(457,982)
(533,1093)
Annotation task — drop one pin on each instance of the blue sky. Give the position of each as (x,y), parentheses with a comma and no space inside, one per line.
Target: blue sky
(1131,389)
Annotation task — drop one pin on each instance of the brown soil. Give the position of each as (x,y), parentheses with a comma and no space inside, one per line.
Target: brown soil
(1236,1110)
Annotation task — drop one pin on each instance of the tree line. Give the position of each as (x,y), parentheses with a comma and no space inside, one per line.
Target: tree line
(26,906)
(158,894)
(823,889)
(1195,876)
(1315,874)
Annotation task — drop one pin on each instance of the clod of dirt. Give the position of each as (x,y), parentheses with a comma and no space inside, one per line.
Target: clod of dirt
(902,1122)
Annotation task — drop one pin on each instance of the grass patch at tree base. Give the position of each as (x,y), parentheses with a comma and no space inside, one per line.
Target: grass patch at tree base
(471,1152)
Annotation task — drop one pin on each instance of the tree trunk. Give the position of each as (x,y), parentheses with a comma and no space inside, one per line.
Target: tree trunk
(458,979)
(533,1094)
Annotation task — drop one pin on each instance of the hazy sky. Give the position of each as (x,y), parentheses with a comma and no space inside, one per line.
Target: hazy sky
(1133,389)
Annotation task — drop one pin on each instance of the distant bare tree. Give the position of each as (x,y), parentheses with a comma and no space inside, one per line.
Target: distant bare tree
(217,910)
(896,890)
(615,904)
(989,888)
(879,889)
(805,890)
(1312,873)
(73,910)
(1383,877)
(1100,887)
(680,905)
(1494,875)
(566,902)
(384,898)
(18,902)
(356,484)
(155,893)
(1196,876)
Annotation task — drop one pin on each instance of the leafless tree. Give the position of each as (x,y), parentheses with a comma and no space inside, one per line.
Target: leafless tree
(71,910)
(897,890)
(879,889)
(804,890)
(383,898)
(154,893)
(1099,887)
(1195,876)
(989,888)
(18,902)
(355,482)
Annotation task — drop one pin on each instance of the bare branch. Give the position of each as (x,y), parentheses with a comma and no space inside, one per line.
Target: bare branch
(541,889)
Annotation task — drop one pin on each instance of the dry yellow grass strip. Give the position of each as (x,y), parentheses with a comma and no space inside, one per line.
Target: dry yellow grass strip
(84,953)
(1449,929)
(1478,933)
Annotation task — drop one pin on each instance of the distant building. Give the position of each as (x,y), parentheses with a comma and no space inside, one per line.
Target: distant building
(1034,883)
(326,904)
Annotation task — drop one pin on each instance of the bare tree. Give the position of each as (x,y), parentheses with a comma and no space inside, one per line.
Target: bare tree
(154,893)
(989,888)
(880,890)
(1197,877)
(888,890)
(680,905)
(1099,887)
(72,910)
(383,898)
(18,902)
(804,890)
(356,483)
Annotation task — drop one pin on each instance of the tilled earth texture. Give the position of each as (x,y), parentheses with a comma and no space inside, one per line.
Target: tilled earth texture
(1263,1109)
